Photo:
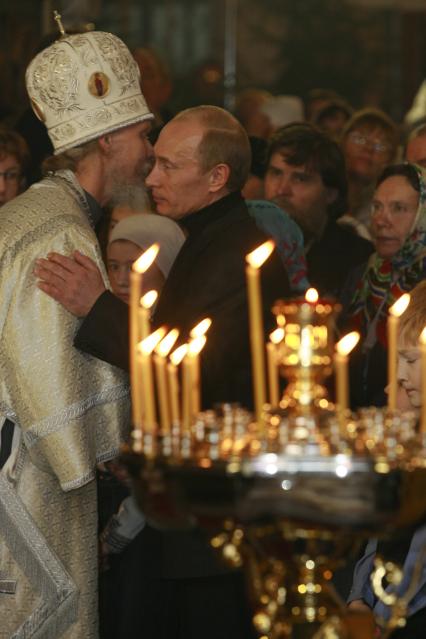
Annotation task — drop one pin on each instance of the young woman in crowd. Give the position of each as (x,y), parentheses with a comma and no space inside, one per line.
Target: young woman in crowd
(407,551)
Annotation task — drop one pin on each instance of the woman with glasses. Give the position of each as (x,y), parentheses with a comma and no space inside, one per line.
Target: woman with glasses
(14,159)
(398,224)
(369,143)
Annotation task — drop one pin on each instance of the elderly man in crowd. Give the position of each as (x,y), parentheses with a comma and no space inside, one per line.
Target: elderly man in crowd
(202,159)
(305,175)
(69,410)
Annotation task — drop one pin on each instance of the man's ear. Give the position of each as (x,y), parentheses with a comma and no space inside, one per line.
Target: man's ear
(105,144)
(219,176)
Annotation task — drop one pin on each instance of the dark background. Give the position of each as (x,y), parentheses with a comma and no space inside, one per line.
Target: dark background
(370,51)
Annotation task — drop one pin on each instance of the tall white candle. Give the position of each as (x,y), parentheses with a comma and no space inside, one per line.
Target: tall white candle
(139,267)
(161,352)
(395,312)
(422,341)
(343,348)
(255,259)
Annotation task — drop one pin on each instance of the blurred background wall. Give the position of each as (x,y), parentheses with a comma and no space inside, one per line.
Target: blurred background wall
(370,51)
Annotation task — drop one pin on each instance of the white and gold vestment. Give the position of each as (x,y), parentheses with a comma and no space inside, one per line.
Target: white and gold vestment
(72,411)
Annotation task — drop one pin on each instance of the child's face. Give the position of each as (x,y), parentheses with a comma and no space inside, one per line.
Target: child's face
(120,256)
(409,371)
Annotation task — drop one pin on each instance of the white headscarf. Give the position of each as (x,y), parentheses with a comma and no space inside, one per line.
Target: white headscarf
(147,228)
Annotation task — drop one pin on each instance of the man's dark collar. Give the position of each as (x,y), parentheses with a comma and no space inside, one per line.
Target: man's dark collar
(197,221)
(94,208)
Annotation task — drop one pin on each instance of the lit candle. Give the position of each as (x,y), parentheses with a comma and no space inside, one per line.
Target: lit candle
(255,259)
(271,351)
(147,301)
(395,313)
(311,296)
(172,372)
(201,328)
(305,352)
(161,352)
(422,341)
(145,349)
(306,335)
(186,394)
(191,381)
(343,348)
(140,266)
(195,347)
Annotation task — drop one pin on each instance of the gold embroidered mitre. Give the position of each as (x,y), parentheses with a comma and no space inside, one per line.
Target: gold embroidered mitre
(84,86)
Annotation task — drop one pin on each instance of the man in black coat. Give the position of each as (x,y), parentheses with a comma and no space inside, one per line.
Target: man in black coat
(306,176)
(202,162)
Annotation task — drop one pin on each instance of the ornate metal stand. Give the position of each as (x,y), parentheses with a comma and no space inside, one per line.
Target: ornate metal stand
(292,496)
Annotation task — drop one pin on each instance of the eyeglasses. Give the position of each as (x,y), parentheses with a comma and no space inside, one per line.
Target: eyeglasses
(11,175)
(362,140)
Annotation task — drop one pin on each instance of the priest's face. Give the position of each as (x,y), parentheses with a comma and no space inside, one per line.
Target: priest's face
(129,156)
(178,184)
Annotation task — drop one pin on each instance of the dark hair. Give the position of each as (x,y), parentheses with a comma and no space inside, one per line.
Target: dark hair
(373,119)
(258,156)
(11,143)
(302,143)
(331,110)
(406,170)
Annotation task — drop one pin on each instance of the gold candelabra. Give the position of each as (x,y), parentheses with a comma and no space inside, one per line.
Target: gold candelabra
(290,491)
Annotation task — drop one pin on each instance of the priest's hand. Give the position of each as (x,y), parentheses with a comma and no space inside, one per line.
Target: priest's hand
(75,282)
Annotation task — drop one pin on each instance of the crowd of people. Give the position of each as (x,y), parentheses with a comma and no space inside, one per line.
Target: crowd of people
(342,193)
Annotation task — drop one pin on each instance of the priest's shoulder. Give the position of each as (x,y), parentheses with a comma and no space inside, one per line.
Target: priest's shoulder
(42,211)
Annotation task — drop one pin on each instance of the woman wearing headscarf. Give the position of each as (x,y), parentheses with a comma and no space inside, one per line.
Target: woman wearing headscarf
(398,222)
(288,237)
(130,238)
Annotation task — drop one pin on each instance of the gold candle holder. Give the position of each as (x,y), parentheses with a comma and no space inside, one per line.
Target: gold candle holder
(306,352)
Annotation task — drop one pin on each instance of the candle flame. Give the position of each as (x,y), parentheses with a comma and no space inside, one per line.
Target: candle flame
(400,305)
(149,343)
(347,343)
(257,257)
(311,295)
(166,344)
(177,356)
(281,320)
(277,336)
(143,262)
(196,345)
(201,328)
(422,337)
(148,300)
